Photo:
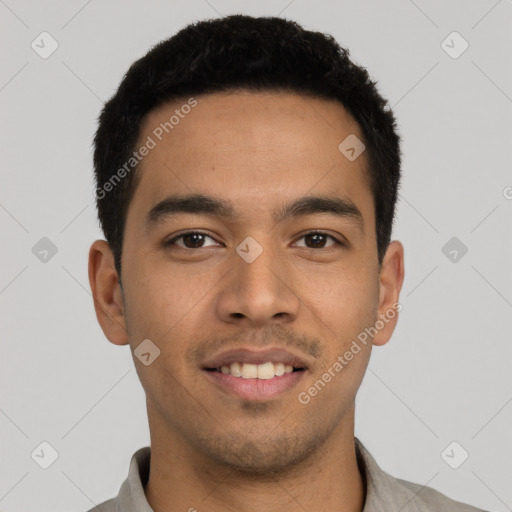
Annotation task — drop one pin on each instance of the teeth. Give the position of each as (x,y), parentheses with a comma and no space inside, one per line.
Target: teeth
(236,370)
(266,371)
(249,371)
(279,369)
(256,371)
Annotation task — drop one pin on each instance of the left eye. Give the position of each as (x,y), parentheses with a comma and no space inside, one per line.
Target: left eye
(318,238)
(195,240)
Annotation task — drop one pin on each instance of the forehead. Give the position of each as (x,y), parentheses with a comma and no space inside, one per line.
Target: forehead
(253,148)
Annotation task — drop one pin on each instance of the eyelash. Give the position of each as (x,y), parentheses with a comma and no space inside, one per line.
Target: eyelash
(314,232)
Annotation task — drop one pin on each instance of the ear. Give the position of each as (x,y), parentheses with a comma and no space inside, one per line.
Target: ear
(391,279)
(106,293)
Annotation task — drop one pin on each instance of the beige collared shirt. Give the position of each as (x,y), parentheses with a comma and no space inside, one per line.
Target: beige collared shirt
(384,493)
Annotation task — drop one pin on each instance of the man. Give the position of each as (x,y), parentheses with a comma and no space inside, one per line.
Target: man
(247,175)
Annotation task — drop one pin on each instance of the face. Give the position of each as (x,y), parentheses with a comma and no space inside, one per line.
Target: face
(273,269)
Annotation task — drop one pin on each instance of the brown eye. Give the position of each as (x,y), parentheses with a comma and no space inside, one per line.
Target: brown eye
(318,239)
(190,240)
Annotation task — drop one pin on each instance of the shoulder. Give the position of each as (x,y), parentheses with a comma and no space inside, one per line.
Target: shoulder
(386,492)
(106,506)
(428,499)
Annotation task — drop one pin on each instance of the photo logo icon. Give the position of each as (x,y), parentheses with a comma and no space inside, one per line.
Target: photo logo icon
(249,249)
(147,352)
(454,45)
(44,455)
(454,455)
(351,147)
(44,45)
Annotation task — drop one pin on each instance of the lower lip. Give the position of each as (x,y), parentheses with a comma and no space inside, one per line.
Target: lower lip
(255,389)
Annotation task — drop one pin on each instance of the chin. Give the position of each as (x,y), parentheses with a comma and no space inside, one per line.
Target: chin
(265,456)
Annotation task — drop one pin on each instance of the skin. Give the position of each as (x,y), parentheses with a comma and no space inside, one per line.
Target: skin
(211,450)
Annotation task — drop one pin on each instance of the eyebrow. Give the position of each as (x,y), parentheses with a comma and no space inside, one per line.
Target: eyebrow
(216,207)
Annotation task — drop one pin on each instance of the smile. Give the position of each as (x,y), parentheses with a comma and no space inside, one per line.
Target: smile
(264,371)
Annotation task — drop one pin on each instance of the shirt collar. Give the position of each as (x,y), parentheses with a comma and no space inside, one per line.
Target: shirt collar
(383,492)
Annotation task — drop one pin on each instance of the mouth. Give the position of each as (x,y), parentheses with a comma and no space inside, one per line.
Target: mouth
(255,376)
(264,371)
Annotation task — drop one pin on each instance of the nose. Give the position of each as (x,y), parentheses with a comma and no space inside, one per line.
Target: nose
(258,292)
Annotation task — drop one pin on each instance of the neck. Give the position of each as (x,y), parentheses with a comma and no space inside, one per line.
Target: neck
(181,479)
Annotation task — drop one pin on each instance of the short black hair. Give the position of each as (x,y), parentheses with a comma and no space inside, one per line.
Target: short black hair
(231,53)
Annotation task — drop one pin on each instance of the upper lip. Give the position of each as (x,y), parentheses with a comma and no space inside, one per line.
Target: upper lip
(252,356)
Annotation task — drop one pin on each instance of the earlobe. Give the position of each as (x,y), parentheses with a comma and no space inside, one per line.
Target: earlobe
(391,279)
(106,292)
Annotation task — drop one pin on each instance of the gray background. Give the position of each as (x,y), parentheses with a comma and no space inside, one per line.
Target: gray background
(444,376)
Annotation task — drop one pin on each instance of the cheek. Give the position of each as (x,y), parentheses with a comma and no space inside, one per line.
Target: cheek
(167,307)
(160,310)
(345,299)
(161,297)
